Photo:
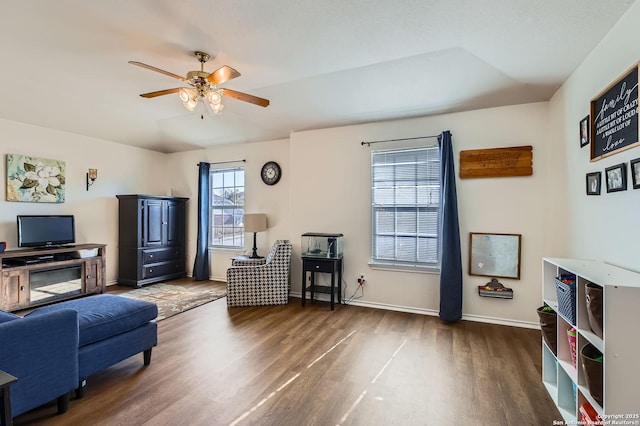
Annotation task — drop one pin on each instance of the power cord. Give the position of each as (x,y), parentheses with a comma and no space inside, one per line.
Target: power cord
(353,296)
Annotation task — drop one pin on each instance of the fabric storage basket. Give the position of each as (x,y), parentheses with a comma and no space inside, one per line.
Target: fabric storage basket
(591,359)
(566,291)
(548,319)
(594,307)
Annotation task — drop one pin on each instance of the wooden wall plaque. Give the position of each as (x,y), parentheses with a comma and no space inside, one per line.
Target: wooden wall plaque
(497,162)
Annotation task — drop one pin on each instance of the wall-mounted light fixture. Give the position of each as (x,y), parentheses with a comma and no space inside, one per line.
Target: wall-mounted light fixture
(92,175)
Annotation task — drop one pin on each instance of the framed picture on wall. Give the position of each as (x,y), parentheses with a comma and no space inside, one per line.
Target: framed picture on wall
(616,177)
(584,132)
(593,183)
(494,255)
(635,173)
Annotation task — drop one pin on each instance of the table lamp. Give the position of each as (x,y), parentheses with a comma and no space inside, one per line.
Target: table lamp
(256,222)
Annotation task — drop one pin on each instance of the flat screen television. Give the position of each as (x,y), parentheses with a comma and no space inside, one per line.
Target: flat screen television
(46,231)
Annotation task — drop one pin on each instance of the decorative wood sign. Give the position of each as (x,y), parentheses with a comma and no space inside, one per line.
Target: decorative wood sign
(614,116)
(497,162)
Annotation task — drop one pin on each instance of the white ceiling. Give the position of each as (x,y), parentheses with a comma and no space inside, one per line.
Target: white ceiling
(320,63)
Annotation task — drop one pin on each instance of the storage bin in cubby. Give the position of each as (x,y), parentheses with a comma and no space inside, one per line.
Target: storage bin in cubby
(593,296)
(566,291)
(591,360)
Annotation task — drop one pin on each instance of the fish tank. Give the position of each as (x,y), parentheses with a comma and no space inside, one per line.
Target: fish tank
(319,244)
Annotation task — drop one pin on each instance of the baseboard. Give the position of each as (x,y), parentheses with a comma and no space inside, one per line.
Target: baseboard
(431,312)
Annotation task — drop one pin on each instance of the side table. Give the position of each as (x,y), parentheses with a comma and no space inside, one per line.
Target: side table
(331,266)
(6,380)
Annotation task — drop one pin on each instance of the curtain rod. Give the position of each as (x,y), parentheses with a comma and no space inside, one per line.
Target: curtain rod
(396,140)
(225,162)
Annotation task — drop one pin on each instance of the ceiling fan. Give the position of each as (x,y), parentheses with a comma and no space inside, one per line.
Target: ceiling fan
(204,86)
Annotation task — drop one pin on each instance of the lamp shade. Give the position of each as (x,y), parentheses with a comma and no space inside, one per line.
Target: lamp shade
(256,222)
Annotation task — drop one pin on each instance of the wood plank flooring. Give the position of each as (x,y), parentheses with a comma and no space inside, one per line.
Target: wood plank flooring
(288,365)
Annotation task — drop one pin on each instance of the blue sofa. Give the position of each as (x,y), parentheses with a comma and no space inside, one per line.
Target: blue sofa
(42,352)
(55,348)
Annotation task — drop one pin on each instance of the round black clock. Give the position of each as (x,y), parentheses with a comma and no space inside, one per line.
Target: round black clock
(271,173)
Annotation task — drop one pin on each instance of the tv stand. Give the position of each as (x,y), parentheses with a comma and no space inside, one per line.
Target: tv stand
(37,276)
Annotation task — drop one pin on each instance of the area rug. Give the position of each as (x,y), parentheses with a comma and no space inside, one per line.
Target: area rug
(174,299)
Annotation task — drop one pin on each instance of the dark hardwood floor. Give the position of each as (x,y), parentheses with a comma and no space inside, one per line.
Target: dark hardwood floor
(288,365)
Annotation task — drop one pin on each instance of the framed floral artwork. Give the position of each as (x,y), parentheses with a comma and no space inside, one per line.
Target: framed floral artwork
(35,180)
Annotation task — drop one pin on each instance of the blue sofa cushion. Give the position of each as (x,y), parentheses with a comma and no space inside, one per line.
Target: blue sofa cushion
(6,316)
(105,315)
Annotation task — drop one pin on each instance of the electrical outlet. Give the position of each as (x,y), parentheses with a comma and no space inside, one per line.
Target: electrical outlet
(361,279)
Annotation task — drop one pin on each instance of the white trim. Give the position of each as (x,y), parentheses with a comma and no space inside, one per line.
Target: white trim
(404,268)
(431,312)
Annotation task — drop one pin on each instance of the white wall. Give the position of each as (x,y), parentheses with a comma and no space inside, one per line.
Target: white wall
(259,198)
(594,227)
(121,170)
(330,192)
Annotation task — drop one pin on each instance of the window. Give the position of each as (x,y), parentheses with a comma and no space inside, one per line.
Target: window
(405,207)
(227,208)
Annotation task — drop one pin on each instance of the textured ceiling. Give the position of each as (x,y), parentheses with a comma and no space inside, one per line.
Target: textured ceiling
(321,64)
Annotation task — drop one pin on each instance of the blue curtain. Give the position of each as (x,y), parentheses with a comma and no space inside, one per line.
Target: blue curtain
(201,264)
(451,261)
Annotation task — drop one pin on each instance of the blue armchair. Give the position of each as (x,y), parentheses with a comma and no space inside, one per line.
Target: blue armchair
(42,352)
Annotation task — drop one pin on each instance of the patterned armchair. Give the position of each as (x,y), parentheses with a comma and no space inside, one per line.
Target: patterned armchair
(257,282)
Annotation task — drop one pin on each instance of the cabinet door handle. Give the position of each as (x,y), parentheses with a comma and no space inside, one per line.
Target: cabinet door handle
(150,271)
(150,256)
(21,288)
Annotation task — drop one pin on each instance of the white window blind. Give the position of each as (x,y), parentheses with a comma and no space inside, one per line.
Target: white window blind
(405,196)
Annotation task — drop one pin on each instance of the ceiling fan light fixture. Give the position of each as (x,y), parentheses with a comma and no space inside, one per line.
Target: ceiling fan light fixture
(186,94)
(203,86)
(191,104)
(214,97)
(217,108)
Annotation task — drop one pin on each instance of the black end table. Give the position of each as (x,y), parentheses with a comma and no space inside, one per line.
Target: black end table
(331,266)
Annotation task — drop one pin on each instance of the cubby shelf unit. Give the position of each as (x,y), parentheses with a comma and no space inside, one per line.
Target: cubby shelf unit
(620,346)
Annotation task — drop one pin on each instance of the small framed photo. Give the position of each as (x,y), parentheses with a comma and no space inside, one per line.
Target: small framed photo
(584,132)
(635,173)
(593,183)
(616,177)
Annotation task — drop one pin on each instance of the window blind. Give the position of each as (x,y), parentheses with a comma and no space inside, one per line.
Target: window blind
(405,194)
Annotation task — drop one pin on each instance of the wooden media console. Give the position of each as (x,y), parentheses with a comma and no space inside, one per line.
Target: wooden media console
(38,276)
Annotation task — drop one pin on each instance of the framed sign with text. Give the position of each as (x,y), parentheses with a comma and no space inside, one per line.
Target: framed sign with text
(614,116)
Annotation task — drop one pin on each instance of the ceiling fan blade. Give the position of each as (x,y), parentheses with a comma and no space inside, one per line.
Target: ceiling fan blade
(245,97)
(149,67)
(161,92)
(222,74)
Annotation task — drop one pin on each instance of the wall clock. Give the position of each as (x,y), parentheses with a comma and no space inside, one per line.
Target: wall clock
(271,173)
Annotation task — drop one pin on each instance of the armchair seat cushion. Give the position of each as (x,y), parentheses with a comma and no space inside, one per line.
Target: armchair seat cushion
(103,316)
